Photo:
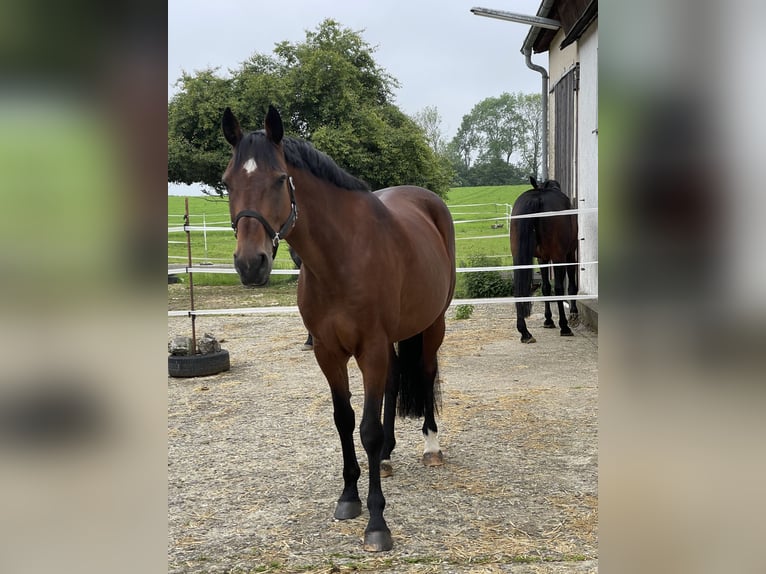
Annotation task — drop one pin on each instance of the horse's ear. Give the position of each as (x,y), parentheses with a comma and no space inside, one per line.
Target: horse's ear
(533,181)
(273,125)
(231,129)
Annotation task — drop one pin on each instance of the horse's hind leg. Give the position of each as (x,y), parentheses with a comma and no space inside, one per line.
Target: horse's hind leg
(522,312)
(558,274)
(572,289)
(546,287)
(432,340)
(309,344)
(389,416)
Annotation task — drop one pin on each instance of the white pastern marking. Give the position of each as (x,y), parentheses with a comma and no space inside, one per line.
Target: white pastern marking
(432,442)
(250,166)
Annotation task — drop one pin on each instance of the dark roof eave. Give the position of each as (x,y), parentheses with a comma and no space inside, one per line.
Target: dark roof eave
(582,24)
(539,40)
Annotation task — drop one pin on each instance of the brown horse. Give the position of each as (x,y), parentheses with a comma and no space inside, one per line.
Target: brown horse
(551,240)
(378,274)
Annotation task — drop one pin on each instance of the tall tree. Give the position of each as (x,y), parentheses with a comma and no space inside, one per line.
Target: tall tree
(503,130)
(329,90)
(430,121)
(531,140)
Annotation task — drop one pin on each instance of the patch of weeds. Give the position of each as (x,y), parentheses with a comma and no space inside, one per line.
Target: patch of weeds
(523,559)
(336,563)
(575,558)
(463,311)
(422,560)
(481,284)
(270,567)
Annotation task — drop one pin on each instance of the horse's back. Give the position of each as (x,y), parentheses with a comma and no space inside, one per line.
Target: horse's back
(562,229)
(424,200)
(552,233)
(423,234)
(409,204)
(555,236)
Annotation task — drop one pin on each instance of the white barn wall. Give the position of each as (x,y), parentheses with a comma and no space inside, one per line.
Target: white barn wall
(584,52)
(587,151)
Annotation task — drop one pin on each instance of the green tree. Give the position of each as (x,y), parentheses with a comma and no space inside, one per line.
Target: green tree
(329,91)
(497,122)
(195,152)
(499,141)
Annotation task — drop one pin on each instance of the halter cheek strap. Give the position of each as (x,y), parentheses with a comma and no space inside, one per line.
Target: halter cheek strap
(275,236)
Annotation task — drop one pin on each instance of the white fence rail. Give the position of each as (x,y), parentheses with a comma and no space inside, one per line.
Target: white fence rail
(292,309)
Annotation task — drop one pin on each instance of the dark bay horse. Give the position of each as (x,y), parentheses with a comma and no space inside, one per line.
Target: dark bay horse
(377,276)
(551,240)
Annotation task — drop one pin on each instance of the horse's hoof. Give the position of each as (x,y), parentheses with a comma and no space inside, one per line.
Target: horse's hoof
(567,333)
(433,458)
(348,509)
(307,348)
(530,340)
(378,541)
(550,325)
(386,469)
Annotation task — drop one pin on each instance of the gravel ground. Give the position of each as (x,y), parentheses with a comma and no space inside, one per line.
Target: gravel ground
(254,463)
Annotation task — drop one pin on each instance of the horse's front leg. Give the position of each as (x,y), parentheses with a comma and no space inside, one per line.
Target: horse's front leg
(334,367)
(373,362)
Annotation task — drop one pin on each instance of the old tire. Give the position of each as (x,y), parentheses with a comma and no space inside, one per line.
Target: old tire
(198,365)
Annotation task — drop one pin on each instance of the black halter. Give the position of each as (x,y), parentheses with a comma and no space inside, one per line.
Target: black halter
(275,236)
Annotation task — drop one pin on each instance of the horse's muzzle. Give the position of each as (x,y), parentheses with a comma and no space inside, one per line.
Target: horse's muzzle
(253,270)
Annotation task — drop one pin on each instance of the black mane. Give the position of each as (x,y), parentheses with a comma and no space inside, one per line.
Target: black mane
(298,153)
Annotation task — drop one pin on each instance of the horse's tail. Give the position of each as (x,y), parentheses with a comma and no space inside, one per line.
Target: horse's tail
(416,392)
(527,241)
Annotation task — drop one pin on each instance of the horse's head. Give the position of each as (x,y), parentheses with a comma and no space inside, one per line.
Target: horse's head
(551,184)
(547,184)
(261,199)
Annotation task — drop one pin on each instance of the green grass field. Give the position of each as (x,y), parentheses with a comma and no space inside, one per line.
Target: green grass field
(476,240)
(474,210)
(469,204)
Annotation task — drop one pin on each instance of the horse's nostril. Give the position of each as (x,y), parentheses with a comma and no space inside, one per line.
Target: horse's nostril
(253,270)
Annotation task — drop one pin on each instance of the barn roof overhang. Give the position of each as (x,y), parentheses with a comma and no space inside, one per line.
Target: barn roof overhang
(575,17)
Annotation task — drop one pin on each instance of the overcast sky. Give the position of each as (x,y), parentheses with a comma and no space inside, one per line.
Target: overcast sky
(441,54)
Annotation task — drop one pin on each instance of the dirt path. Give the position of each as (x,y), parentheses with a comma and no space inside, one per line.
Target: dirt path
(254,464)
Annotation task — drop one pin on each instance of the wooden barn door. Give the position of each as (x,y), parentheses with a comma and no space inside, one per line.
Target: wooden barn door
(565,132)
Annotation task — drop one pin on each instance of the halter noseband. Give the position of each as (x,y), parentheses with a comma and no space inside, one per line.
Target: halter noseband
(275,236)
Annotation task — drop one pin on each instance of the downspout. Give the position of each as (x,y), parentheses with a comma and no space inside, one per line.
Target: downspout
(527,51)
(544,10)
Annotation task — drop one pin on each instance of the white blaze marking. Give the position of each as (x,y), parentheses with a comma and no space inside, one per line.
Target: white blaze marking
(432,442)
(250,166)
